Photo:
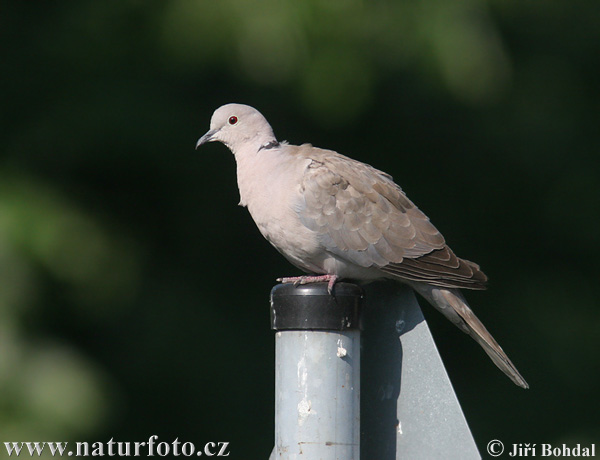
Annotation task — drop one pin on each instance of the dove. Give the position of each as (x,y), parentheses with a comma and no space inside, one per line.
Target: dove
(337,218)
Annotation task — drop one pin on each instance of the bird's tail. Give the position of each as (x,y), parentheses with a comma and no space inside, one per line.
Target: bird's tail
(453,305)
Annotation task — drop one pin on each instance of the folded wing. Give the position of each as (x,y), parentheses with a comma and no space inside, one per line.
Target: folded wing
(362,216)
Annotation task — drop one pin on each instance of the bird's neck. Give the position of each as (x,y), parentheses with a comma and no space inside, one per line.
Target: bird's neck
(257,165)
(251,145)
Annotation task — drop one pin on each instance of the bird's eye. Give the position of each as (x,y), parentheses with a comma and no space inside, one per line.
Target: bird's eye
(232,120)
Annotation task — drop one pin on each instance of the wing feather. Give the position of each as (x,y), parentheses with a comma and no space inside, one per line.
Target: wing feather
(362,216)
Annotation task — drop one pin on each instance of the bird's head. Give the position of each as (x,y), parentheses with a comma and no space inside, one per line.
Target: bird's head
(237,125)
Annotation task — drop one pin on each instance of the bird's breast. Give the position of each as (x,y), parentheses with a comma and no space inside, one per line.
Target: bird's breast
(269,185)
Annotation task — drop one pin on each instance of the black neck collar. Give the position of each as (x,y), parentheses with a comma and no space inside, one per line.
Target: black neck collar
(269,145)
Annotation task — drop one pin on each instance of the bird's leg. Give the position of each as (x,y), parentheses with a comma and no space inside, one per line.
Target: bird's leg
(307,279)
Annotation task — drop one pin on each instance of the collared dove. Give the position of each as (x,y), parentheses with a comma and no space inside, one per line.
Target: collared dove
(335,217)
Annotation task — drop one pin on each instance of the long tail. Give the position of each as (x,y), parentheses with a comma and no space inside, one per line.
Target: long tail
(453,305)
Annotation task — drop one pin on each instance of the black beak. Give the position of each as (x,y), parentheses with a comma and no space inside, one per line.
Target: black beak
(208,137)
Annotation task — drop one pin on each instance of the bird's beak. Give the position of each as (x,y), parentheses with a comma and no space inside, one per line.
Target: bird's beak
(208,137)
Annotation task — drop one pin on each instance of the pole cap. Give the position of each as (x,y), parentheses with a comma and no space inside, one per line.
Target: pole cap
(310,306)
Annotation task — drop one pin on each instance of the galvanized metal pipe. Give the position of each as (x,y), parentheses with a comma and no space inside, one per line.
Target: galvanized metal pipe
(408,407)
(317,371)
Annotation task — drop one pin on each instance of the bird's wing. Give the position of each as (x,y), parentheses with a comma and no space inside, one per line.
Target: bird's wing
(363,217)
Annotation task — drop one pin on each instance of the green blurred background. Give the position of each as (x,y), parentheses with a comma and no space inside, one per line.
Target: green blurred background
(133,289)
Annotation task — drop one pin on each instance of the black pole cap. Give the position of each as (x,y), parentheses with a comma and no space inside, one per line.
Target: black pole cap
(310,306)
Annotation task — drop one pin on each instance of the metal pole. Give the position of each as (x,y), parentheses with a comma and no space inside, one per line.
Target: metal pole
(409,408)
(317,371)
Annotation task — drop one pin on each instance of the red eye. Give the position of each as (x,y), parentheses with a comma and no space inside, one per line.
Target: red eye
(232,120)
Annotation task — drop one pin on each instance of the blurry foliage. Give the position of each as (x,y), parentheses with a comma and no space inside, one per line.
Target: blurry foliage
(119,245)
(47,389)
(332,54)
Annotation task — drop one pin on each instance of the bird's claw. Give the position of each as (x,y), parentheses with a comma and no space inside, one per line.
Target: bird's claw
(308,279)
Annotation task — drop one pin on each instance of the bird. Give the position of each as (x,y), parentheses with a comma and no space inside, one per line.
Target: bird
(338,218)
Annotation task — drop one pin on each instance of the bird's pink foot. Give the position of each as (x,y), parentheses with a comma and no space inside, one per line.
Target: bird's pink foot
(307,279)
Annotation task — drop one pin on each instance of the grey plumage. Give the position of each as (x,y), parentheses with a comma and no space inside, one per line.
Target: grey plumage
(331,215)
